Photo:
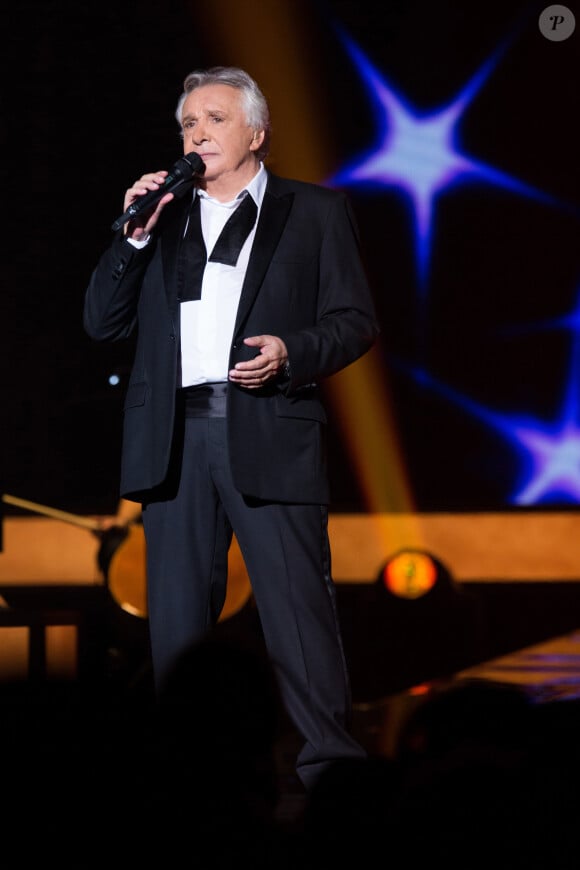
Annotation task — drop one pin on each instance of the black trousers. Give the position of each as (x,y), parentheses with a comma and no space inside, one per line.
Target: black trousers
(287,556)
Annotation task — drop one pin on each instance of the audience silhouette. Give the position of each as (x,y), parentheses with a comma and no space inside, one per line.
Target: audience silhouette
(482,774)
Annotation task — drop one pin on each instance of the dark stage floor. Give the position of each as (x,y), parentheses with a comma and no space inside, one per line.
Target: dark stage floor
(546,673)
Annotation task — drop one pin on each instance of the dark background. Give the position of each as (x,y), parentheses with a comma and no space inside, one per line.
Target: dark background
(487,340)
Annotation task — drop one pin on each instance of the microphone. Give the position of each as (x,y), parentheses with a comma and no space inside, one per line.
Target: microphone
(183,170)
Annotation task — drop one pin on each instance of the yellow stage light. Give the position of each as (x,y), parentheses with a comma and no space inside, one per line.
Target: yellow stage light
(410,573)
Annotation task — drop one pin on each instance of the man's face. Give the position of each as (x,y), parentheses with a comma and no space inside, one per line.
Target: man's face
(214,125)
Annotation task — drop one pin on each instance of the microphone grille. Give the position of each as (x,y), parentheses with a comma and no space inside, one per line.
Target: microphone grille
(195,163)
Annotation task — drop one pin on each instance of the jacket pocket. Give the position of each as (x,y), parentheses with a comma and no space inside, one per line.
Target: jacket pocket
(135,396)
(300,408)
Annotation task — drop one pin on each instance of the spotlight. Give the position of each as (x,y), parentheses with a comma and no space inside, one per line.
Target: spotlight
(410,573)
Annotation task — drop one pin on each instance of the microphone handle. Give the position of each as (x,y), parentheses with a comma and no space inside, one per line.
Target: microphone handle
(147,200)
(180,174)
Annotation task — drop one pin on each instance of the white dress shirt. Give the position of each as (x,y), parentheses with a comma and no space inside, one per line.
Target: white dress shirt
(207,324)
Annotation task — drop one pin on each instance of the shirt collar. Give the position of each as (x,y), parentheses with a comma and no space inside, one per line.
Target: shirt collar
(256,187)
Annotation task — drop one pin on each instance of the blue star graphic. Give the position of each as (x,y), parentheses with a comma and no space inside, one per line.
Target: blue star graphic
(419,153)
(549,452)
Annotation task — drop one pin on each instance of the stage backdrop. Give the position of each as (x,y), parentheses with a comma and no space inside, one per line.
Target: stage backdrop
(454,129)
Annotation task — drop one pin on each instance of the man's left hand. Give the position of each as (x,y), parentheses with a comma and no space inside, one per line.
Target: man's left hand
(271,357)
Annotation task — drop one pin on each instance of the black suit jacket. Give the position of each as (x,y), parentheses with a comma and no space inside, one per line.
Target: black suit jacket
(305,283)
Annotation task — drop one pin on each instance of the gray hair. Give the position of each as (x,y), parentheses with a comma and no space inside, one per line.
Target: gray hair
(254,102)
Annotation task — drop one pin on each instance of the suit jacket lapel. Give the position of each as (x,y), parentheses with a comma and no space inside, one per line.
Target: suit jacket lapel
(271,223)
(176,215)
